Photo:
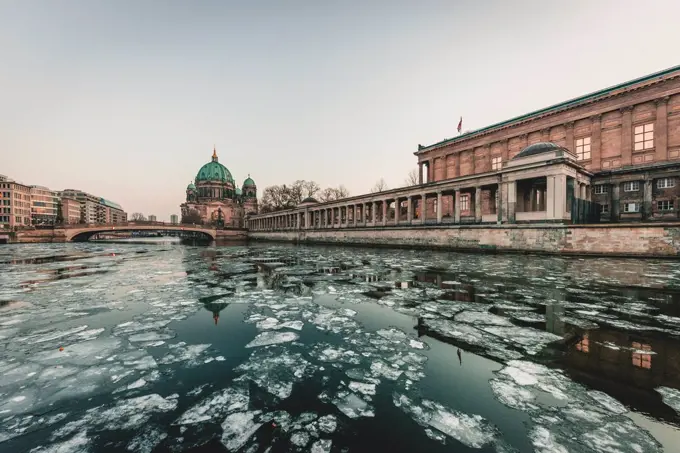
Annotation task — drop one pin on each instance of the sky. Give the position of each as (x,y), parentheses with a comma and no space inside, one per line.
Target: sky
(125,99)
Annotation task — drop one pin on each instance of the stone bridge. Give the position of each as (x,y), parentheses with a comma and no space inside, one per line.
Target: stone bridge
(84,232)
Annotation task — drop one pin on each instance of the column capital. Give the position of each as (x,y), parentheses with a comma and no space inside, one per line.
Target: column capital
(545,130)
(569,125)
(661,101)
(626,109)
(523,136)
(487,146)
(503,141)
(596,118)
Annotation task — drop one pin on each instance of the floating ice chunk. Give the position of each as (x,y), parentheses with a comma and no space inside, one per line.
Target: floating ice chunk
(519,376)
(269,338)
(622,437)
(147,440)
(392,334)
(191,354)
(362,387)
(237,428)
(322,446)
(137,384)
(233,399)
(75,444)
(267,323)
(328,424)
(482,318)
(85,353)
(512,395)
(361,375)
(275,370)
(415,344)
(544,441)
(670,397)
(299,438)
(275,324)
(380,368)
(352,406)
(471,430)
(607,402)
(151,336)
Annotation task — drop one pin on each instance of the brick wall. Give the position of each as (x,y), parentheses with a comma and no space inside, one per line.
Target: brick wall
(615,240)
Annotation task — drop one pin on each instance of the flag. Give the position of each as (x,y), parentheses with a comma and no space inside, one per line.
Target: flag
(460,124)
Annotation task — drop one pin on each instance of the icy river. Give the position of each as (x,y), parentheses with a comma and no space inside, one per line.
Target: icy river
(171,348)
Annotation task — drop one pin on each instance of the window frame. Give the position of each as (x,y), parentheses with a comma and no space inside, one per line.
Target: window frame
(496,163)
(635,184)
(581,150)
(670,206)
(637,208)
(668,183)
(464,202)
(603,189)
(641,135)
(604,209)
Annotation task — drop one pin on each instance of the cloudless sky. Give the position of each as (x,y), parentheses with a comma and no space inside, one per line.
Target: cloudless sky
(125,99)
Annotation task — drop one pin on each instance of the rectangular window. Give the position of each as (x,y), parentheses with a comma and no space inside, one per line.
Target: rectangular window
(464,202)
(583,148)
(631,186)
(601,189)
(665,205)
(644,137)
(496,162)
(642,357)
(604,209)
(631,207)
(665,183)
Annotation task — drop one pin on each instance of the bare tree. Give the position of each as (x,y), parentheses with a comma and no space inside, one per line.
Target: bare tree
(193,217)
(412,179)
(137,217)
(379,186)
(310,188)
(333,193)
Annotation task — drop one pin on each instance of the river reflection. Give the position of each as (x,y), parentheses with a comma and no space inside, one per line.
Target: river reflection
(165,348)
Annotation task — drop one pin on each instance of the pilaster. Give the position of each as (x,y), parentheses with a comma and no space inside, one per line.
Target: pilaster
(439,207)
(478,205)
(626,136)
(661,130)
(569,133)
(596,142)
(456,207)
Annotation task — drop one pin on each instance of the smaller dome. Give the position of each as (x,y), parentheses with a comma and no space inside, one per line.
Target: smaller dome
(191,186)
(310,200)
(248,182)
(238,191)
(538,148)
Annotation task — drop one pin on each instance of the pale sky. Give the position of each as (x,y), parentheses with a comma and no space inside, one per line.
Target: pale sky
(125,98)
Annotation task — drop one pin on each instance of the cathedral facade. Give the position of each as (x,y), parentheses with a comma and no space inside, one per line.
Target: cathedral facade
(215,199)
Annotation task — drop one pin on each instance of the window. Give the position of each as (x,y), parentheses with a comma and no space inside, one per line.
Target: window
(604,209)
(665,183)
(665,205)
(642,356)
(631,207)
(464,202)
(601,189)
(584,344)
(644,137)
(496,162)
(631,186)
(583,148)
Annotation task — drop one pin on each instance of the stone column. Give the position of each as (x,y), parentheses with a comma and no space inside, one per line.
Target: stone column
(439,207)
(374,211)
(615,208)
(384,207)
(499,209)
(559,197)
(423,208)
(661,130)
(456,207)
(647,199)
(354,215)
(569,131)
(409,209)
(478,205)
(550,197)
(626,136)
(595,143)
(420,173)
(512,200)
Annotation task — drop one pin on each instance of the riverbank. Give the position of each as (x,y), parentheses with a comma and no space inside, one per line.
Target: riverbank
(622,240)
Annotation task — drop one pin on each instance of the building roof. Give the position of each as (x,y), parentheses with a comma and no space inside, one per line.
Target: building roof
(309,200)
(238,191)
(110,204)
(553,108)
(191,186)
(214,171)
(538,148)
(248,182)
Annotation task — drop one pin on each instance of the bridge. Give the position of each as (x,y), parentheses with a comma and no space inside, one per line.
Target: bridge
(79,233)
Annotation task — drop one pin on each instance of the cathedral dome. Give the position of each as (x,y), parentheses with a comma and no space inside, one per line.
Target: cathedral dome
(191,186)
(248,182)
(238,191)
(214,171)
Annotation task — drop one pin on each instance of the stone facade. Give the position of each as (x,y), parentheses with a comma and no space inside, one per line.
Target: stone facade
(643,240)
(15,203)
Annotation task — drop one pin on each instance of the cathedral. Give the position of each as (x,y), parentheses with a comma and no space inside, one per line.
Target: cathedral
(215,197)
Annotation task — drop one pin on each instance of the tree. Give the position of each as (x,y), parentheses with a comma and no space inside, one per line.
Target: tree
(277,198)
(137,217)
(310,189)
(379,186)
(192,216)
(333,193)
(412,179)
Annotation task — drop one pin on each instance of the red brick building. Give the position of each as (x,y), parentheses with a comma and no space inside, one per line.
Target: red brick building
(627,136)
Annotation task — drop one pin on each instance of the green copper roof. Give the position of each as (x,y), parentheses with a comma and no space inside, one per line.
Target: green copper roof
(214,171)
(248,182)
(238,191)
(561,106)
(191,186)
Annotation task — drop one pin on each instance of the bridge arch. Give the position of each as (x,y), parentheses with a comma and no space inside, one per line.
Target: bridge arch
(85,233)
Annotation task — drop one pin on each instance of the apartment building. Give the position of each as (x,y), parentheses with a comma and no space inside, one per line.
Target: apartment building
(15,203)
(44,205)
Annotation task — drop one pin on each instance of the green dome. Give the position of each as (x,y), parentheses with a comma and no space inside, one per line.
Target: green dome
(238,191)
(191,186)
(248,182)
(214,171)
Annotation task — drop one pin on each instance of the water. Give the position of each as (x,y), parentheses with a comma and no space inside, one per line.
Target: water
(166,348)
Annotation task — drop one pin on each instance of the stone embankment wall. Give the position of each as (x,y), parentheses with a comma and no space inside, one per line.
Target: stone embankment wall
(654,240)
(43,235)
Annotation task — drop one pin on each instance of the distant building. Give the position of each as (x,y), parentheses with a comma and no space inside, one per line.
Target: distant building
(15,203)
(152,218)
(216,199)
(95,209)
(174,219)
(44,205)
(70,210)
